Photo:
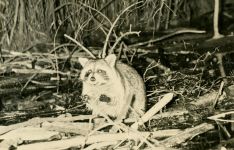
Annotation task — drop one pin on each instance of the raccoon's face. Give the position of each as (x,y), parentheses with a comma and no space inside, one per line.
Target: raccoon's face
(97,72)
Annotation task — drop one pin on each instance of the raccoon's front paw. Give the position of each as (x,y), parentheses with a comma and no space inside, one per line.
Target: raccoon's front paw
(84,98)
(104,98)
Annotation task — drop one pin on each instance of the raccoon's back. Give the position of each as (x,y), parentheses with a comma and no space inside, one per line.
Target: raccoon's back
(130,76)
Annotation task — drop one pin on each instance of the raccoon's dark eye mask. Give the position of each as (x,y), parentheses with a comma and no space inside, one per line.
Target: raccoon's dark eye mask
(88,73)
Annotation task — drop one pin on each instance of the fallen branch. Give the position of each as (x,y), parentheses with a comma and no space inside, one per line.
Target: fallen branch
(39,71)
(219,93)
(167,36)
(162,115)
(150,113)
(80,140)
(222,115)
(36,121)
(187,134)
(31,122)
(208,100)
(82,128)
(99,145)
(29,134)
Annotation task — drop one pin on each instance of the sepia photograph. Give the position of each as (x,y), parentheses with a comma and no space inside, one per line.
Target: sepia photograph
(116,74)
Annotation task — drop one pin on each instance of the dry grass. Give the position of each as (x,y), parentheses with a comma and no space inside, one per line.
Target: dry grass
(26,23)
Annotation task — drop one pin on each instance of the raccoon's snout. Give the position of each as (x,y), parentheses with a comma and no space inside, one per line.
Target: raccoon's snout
(92,78)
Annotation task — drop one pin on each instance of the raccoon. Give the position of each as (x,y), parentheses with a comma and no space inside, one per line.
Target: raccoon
(112,88)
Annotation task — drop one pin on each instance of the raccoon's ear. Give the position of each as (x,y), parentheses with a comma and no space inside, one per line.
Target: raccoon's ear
(111,59)
(83,61)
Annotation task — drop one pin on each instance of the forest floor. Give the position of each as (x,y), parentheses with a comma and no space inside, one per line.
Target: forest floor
(189,85)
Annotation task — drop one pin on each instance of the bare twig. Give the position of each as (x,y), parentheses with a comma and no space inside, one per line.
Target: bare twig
(218,94)
(39,71)
(119,39)
(15,20)
(79,44)
(99,145)
(26,84)
(221,67)
(159,14)
(84,6)
(125,128)
(22,17)
(222,115)
(167,36)
(168,14)
(112,27)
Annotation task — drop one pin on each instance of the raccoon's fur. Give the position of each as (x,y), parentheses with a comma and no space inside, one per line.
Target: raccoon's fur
(112,87)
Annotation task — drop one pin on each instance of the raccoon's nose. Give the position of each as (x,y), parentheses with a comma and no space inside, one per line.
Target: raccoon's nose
(92,79)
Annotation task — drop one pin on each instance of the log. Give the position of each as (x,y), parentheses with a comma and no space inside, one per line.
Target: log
(81,140)
(150,113)
(37,121)
(187,134)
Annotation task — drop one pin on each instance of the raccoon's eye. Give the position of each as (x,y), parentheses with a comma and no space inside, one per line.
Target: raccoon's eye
(88,73)
(99,71)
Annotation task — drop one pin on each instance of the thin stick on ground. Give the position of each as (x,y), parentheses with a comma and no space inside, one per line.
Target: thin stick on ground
(168,36)
(125,128)
(218,94)
(158,106)
(79,140)
(222,115)
(99,145)
(26,84)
